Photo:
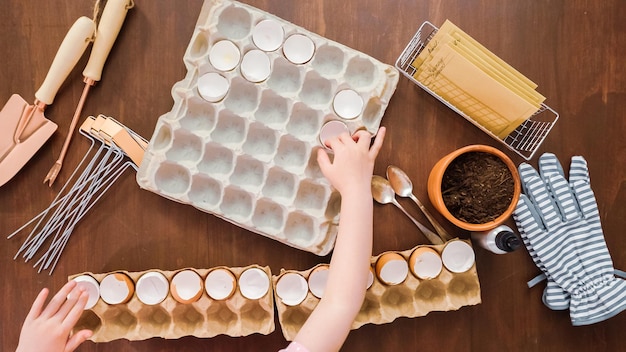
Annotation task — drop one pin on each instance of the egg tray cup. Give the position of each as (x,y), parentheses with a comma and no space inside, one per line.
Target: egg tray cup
(251,158)
(206,317)
(384,303)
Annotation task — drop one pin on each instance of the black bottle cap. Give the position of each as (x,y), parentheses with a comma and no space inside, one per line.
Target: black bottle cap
(507,241)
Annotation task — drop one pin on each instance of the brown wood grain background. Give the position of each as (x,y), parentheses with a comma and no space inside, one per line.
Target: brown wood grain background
(574,49)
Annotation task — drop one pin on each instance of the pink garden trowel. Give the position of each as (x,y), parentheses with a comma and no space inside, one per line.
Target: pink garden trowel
(23,127)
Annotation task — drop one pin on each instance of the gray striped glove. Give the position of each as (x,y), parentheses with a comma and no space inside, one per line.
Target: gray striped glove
(554,297)
(560,225)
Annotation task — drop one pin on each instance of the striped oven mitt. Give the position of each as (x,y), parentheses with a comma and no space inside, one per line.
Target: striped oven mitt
(560,225)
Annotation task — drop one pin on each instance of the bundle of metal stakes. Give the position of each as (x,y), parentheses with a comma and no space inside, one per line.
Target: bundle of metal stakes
(114,149)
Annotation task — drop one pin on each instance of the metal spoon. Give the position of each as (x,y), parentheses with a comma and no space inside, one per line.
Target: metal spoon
(384,194)
(403,187)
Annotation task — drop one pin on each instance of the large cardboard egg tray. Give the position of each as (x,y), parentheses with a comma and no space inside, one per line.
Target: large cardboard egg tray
(384,303)
(134,320)
(251,157)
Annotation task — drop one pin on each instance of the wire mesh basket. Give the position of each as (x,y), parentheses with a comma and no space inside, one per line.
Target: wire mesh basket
(524,140)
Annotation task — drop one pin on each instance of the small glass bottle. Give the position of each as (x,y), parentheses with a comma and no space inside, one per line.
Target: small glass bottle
(500,240)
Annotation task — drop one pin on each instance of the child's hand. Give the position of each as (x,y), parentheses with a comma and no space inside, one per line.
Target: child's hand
(351,174)
(353,165)
(49,329)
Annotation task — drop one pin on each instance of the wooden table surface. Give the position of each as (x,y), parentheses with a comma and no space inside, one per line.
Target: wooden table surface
(574,50)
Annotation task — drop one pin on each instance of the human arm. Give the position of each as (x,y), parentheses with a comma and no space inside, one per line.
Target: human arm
(48,328)
(350,173)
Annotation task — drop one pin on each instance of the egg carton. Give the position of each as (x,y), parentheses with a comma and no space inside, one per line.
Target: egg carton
(250,158)
(206,317)
(384,303)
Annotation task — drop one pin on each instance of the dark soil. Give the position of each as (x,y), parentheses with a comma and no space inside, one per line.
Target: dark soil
(477,187)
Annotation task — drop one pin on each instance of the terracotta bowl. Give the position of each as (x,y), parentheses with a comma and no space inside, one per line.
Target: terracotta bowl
(436,198)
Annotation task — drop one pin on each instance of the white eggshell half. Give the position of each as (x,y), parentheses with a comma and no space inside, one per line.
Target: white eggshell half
(212,86)
(348,104)
(370,278)
(186,286)
(268,35)
(317,281)
(332,129)
(427,265)
(392,268)
(458,256)
(255,66)
(298,48)
(224,55)
(292,289)
(152,288)
(254,283)
(116,288)
(220,284)
(92,287)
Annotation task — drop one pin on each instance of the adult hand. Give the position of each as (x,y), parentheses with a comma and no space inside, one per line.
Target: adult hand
(49,328)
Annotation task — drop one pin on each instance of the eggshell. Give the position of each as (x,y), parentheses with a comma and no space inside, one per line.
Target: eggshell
(292,289)
(458,256)
(370,278)
(224,55)
(213,87)
(332,129)
(425,263)
(152,288)
(254,283)
(220,284)
(298,48)
(255,66)
(186,286)
(92,287)
(116,288)
(348,104)
(268,35)
(392,268)
(317,280)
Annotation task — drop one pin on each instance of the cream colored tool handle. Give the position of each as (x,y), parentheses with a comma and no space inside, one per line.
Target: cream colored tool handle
(70,51)
(109,27)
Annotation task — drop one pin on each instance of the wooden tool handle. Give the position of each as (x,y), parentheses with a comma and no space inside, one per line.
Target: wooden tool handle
(70,51)
(109,27)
